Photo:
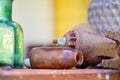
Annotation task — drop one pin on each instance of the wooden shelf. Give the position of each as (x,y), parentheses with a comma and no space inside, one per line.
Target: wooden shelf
(48,74)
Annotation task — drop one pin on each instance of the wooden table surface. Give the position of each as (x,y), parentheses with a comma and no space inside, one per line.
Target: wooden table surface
(48,74)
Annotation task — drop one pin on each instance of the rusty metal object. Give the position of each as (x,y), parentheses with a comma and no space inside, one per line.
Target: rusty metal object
(112,63)
(115,62)
(55,58)
(94,46)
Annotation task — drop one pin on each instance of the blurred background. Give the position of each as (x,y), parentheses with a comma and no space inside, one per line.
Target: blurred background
(45,20)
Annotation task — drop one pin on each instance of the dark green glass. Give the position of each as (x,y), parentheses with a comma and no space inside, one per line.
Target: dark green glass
(11,37)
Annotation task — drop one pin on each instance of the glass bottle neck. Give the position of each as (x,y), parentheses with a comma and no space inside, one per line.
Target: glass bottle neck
(5,9)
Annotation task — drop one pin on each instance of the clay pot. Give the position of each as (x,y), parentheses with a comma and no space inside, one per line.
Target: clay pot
(55,58)
(94,46)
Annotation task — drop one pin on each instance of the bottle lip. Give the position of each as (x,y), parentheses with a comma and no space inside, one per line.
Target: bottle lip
(9,0)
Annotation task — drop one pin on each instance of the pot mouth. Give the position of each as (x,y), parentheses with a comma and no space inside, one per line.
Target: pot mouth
(79,58)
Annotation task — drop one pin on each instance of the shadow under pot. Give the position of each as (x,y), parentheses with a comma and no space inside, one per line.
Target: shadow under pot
(55,58)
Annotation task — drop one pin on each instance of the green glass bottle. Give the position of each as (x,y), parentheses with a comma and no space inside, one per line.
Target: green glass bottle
(11,37)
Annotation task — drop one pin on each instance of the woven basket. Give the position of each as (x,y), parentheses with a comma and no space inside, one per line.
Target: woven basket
(105,15)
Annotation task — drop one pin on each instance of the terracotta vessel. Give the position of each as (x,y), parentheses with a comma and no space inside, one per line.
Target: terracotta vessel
(55,58)
(95,47)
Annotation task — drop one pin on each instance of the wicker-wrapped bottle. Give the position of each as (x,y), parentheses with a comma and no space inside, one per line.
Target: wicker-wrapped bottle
(105,15)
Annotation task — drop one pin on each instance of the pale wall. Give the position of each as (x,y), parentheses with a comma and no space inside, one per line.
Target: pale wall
(42,20)
(36,19)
